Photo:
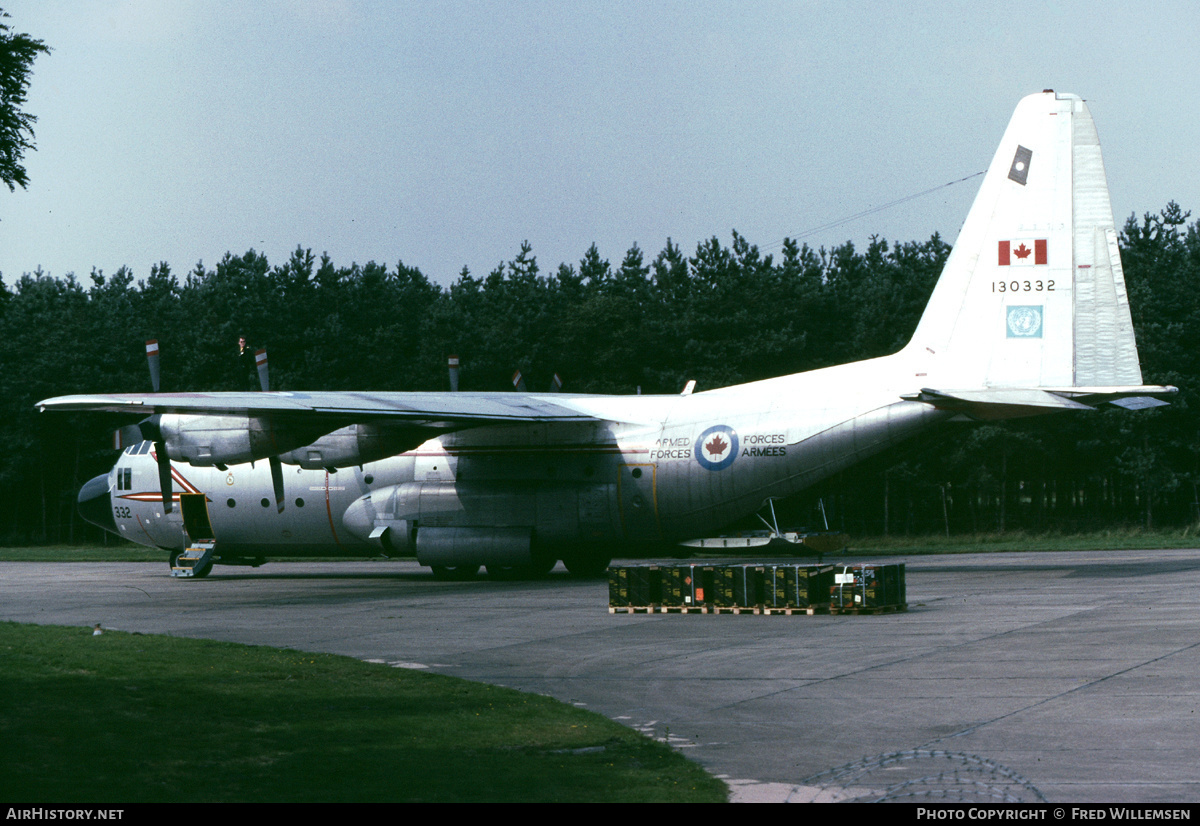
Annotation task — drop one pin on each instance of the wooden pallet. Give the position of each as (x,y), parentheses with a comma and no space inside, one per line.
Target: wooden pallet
(810,610)
(877,609)
(713,609)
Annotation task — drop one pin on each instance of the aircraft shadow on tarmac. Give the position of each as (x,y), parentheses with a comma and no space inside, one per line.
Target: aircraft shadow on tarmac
(557,578)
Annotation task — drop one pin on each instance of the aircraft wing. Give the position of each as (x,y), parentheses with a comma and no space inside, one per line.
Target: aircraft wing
(441,410)
(1015,402)
(312,430)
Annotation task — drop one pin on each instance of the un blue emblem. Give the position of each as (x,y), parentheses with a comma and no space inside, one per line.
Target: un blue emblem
(1025,321)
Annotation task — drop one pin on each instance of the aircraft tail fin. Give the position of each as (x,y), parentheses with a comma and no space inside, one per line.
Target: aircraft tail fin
(1033,294)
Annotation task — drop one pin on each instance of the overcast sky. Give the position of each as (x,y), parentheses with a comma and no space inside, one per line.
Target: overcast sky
(443,134)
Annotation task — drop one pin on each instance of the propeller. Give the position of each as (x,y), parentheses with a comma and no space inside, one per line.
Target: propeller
(453,365)
(556,384)
(264,381)
(518,382)
(149,429)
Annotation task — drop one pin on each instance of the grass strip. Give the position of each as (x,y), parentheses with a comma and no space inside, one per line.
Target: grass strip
(129,718)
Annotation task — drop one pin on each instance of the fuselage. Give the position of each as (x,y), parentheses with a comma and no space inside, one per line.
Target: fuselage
(648,470)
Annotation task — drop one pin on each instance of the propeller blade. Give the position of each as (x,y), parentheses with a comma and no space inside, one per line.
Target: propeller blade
(260,361)
(518,382)
(151,424)
(277,481)
(556,384)
(453,365)
(264,381)
(164,476)
(152,358)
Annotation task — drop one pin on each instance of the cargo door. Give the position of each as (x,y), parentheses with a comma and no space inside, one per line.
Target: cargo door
(194,507)
(638,495)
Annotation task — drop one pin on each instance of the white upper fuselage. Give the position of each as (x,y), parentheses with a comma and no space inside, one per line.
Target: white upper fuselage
(647,469)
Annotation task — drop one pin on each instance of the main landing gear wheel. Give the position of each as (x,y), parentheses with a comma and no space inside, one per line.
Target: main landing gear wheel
(455,573)
(536,569)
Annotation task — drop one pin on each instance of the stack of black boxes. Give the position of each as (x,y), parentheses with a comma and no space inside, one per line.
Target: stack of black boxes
(868,586)
(760,587)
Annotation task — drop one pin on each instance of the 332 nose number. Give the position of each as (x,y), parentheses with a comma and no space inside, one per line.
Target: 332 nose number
(1023,286)
(122,512)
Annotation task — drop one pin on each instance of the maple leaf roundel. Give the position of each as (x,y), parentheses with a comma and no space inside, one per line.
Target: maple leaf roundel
(717,447)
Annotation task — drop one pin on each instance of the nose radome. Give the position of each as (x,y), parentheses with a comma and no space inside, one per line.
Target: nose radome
(95,504)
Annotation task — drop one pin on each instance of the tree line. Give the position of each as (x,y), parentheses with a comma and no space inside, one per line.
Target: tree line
(723,315)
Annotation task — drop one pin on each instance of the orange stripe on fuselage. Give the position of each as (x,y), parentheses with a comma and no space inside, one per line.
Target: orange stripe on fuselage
(143,527)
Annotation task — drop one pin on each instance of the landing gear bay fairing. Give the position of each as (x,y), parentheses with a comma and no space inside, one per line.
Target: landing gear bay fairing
(1029,316)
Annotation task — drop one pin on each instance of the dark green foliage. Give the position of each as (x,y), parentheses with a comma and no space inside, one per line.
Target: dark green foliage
(17,53)
(725,315)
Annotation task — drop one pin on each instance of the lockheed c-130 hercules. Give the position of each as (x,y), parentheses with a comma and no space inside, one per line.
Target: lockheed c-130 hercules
(1029,316)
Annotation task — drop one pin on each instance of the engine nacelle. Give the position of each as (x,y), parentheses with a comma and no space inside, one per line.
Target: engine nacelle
(356,445)
(206,441)
(455,547)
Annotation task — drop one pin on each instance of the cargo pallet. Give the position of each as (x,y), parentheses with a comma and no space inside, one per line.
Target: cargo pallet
(756,588)
(869,609)
(811,610)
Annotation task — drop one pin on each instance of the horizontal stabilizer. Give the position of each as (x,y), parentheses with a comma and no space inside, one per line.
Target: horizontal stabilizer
(1139,402)
(1007,403)
(1130,398)
(1016,402)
